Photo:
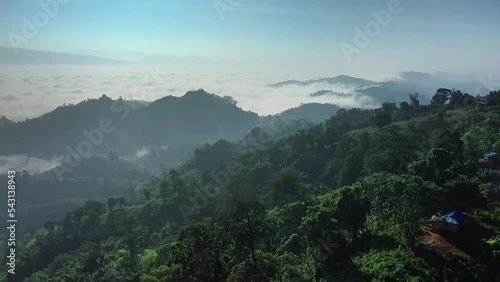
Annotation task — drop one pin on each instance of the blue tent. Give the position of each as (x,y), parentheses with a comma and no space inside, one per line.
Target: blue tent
(486,98)
(454,217)
(490,154)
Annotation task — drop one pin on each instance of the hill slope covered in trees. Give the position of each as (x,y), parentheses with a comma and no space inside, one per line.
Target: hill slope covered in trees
(345,200)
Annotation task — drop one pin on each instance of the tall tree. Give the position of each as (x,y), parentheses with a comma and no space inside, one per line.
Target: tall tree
(287,186)
(441,97)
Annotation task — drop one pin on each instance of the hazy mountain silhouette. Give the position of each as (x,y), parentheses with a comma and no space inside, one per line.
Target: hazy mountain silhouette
(168,129)
(140,57)
(341,79)
(389,91)
(393,90)
(311,112)
(320,93)
(23,56)
(196,118)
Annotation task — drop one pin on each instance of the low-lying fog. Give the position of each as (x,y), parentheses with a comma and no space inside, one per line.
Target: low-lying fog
(29,91)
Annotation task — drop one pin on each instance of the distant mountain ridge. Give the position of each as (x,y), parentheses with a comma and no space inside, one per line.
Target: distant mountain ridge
(393,90)
(9,56)
(312,112)
(341,79)
(194,118)
(184,122)
(387,91)
(140,57)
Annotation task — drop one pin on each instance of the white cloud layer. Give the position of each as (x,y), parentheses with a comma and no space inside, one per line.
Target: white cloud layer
(25,162)
(29,91)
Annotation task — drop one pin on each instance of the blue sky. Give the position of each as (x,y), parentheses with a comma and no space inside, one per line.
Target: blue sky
(428,35)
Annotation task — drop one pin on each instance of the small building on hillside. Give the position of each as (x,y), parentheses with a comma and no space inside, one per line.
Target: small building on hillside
(492,157)
(451,221)
(484,100)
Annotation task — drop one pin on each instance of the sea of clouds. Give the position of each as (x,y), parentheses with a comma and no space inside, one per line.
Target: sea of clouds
(29,91)
(24,162)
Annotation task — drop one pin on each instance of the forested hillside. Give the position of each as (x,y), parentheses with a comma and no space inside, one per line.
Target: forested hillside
(50,195)
(125,126)
(169,129)
(143,139)
(346,200)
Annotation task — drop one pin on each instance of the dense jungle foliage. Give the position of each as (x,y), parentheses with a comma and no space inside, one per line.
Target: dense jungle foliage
(346,200)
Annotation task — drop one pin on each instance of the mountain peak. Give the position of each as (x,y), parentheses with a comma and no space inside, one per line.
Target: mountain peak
(340,79)
(197,93)
(36,57)
(414,75)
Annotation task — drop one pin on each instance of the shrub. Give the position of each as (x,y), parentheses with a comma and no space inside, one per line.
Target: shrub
(394,265)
